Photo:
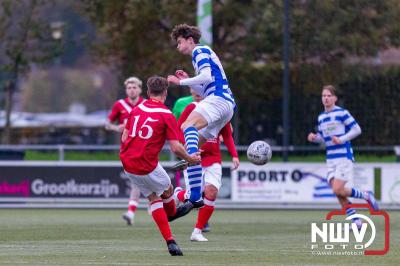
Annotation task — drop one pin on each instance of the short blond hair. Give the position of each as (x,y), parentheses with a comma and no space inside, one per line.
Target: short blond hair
(133,80)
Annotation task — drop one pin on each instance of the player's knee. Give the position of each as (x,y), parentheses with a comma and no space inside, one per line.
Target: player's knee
(152,197)
(196,123)
(183,127)
(210,192)
(340,197)
(168,193)
(340,191)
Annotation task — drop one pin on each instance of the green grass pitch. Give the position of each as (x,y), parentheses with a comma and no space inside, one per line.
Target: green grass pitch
(237,237)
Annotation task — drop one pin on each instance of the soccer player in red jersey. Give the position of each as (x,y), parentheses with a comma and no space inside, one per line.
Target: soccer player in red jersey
(212,171)
(149,125)
(120,113)
(122,108)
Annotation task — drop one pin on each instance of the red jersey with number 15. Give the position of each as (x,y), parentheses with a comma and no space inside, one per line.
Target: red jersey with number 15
(150,124)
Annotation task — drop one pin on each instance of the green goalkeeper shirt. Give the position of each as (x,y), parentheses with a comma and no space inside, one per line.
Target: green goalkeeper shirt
(180,105)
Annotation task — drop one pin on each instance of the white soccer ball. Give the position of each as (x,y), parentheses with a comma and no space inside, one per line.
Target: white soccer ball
(259,152)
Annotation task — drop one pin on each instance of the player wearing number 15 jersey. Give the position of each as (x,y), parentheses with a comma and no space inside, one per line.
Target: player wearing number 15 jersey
(148,127)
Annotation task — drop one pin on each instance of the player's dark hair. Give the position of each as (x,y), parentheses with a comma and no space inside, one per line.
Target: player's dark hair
(331,89)
(186,31)
(157,85)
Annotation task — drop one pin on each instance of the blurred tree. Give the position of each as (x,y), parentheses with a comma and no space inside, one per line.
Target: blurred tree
(73,86)
(328,29)
(247,34)
(25,39)
(134,35)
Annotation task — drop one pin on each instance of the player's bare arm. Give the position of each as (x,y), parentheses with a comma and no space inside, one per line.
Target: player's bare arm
(179,150)
(112,127)
(124,135)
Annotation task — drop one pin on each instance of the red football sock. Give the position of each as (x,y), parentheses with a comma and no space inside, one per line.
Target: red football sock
(169,206)
(160,217)
(132,205)
(205,213)
(181,195)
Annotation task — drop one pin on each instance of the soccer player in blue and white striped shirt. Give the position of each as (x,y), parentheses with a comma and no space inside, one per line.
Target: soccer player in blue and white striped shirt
(217,107)
(336,127)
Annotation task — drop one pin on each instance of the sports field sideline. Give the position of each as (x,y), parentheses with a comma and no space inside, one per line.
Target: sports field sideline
(239,237)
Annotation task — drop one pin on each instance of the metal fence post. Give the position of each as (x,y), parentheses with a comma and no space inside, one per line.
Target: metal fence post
(397,152)
(61,155)
(172,156)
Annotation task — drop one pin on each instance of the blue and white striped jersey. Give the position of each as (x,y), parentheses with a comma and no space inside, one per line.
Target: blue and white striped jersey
(203,56)
(338,122)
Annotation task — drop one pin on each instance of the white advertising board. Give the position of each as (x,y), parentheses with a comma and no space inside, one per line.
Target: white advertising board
(390,184)
(291,182)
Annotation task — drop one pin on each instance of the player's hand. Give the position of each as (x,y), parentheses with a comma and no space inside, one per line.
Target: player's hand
(336,140)
(311,137)
(120,127)
(173,79)
(115,128)
(194,158)
(180,74)
(236,162)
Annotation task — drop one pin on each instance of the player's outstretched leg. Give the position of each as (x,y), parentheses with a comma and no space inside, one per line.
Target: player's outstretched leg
(181,211)
(160,218)
(180,166)
(194,171)
(366,195)
(338,187)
